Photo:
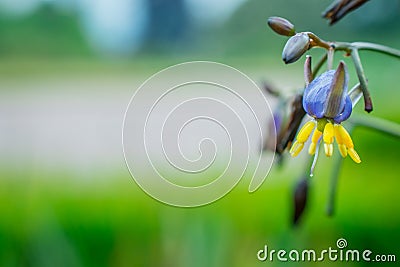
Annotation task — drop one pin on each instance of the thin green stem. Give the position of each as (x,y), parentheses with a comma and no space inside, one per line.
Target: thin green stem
(381,125)
(363,80)
(348,47)
(377,124)
(330,207)
(377,47)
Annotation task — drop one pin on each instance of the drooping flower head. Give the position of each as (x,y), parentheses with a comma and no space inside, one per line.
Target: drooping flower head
(326,100)
(326,96)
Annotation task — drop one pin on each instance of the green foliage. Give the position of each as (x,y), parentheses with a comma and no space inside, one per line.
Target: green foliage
(45,33)
(56,220)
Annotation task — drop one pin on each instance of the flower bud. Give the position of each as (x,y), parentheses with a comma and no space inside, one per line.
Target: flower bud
(295,47)
(281,26)
(339,8)
(300,199)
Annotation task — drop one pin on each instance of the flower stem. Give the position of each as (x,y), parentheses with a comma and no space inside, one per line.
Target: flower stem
(348,47)
(363,80)
(390,128)
(376,47)
(330,55)
(333,186)
(378,124)
(318,41)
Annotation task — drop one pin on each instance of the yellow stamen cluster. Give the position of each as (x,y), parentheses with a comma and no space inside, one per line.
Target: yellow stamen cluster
(302,137)
(314,141)
(345,143)
(330,132)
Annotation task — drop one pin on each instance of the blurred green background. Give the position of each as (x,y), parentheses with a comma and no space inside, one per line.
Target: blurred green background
(67,72)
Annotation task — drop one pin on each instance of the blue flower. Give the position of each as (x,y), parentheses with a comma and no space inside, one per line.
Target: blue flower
(327,101)
(326,96)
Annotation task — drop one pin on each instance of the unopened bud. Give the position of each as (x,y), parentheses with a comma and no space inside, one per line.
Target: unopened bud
(300,199)
(295,47)
(281,26)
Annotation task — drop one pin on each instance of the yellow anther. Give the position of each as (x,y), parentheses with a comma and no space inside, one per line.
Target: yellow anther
(338,137)
(296,148)
(316,135)
(312,149)
(345,143)
(328,133)
(328,149)
(342,150)
(344,137)
(305,131)
(314,141)
(354,156)
(302,136)
(339,140)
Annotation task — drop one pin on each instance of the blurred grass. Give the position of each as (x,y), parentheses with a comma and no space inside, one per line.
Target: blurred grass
(55,220)
(47,33)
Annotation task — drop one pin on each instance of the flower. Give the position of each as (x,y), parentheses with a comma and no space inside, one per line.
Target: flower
(327,101)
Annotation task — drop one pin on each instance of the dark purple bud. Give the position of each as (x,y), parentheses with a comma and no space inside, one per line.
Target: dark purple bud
(339,8)
(281,26)
(300,199)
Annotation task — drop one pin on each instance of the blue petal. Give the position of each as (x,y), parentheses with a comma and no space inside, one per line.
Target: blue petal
(316,93)
(348,108)
(336,99)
